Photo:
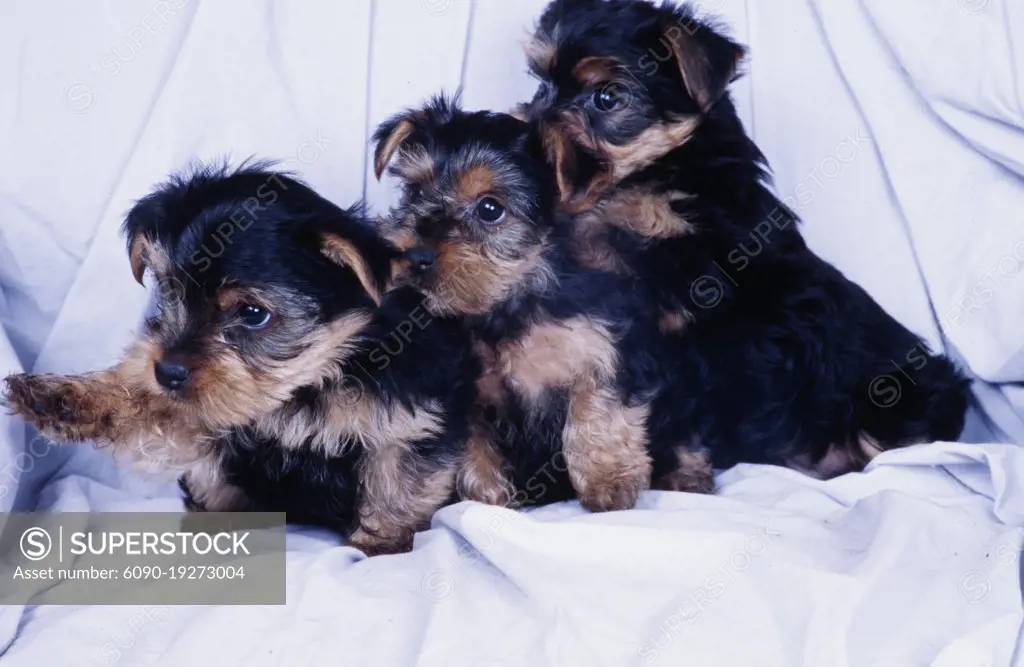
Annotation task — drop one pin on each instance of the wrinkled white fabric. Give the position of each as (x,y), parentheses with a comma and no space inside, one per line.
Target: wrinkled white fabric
(894,130)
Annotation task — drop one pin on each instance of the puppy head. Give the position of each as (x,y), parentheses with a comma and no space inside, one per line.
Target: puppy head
(262,286)
(473,218)
(622,83)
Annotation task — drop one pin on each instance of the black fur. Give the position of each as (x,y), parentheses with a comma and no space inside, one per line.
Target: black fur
(530,436)
(274,229)
(785,356)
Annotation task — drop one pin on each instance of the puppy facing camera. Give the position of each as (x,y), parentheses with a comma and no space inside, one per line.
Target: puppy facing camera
(269,377)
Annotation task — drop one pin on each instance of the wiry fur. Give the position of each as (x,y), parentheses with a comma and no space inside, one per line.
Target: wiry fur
(775,355)
(336,412)
(559,341)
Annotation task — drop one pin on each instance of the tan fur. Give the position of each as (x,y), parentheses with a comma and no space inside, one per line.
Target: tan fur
(489,386)
(482,474)
(694,67)
(125,406)
(592,248)
(541,53)
(476,181)
(397,499)
(645,212)
(471,278)
(146,252)
(415,165)
(154,432)
(595,70)
(561,157)
(560,139)
(352,415)
(229,391)
(605,443)
(653,143)
(137,257)
(673,322)
(208,487)
(840,459)
(519,112)
(558,354)
(650,145)
(694,474)
(391,144)
(342,251)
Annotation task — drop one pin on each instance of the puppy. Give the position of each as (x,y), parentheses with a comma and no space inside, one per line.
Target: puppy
(277,375)
(563,345)
(779,357)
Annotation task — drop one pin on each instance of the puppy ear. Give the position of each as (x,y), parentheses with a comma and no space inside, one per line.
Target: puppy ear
(389,138)
(708,61)
(579,175)
(138,255)
(344,253)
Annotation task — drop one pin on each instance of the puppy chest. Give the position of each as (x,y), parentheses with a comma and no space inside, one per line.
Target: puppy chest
(571,353)
(350,416)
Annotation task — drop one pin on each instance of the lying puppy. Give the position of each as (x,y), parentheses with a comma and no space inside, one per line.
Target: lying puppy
(563,345)
(276,376)
(781,358)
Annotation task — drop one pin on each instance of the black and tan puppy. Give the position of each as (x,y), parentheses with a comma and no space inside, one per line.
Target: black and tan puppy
(278,375)
(563,345)
(780,358)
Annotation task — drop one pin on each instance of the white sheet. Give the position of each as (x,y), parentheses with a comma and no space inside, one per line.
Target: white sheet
(913,563)
(854,107)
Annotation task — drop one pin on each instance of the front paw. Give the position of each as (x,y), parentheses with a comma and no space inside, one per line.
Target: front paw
(612,494)
(373,544)
(609,482)
(56,405)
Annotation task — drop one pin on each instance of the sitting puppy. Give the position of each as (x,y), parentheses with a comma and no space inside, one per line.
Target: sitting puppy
(780,358)
(563,345)
(276,375)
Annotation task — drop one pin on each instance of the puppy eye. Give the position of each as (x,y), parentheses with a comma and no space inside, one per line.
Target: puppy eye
(253,317)
(413,191)
(609,98)
(490,211)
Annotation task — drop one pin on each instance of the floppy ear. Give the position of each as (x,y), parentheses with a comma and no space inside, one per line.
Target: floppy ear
(138,251)
(579,175)
(708,62)
(344,253)
(389,137)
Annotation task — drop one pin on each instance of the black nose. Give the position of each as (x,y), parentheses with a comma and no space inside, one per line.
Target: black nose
(422,259)
(171,375)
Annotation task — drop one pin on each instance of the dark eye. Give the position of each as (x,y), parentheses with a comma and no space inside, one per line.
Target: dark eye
(489,211)
(413,191)
(253,317)
(609,98)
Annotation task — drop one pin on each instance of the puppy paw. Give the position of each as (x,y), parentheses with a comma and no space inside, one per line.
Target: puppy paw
(610,479)
(482,477)
(610,495)
(373,544)
(686,482)
(693,475)
(60,407)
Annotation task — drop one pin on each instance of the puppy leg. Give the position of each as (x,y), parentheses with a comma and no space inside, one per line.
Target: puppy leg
(605,444)
(206,490)
(110,407)
(693,475)
(482,476)
(400,493)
